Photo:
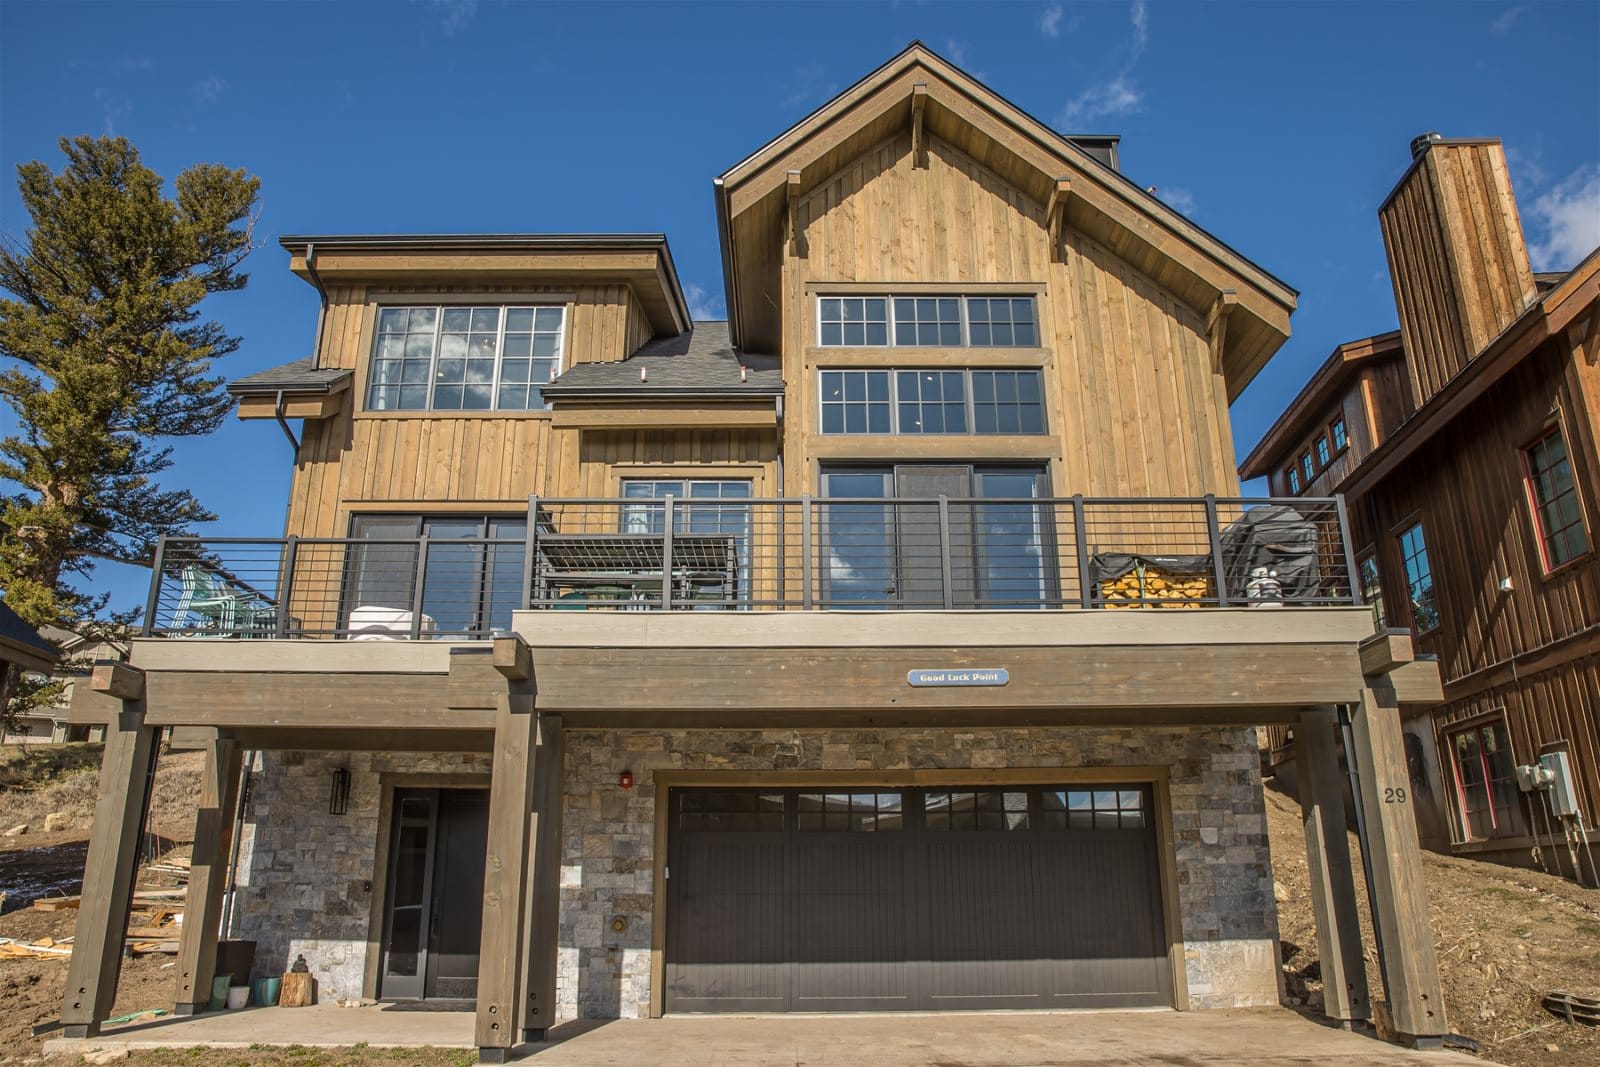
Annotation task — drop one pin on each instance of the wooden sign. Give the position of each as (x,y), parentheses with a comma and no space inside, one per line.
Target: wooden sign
(959,676)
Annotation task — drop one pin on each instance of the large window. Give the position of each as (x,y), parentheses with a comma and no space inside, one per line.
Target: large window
(1557,512)
(932,401)
(1486,782)
(471,578)
(464,358)
(1419,579)
(717,510)
(1372,588)
(927,321)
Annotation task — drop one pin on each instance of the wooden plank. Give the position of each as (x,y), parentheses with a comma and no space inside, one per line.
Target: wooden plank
(1386,651)
(502,963)
(1414,684)
(119,680)
(181,698)
(125,772)
(661,416)
(1333,894)
(1394,862)
(513,658)
(208,874)
(543,920)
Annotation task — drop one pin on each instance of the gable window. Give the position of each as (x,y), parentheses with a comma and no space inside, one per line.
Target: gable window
(465,358)
(1553,496)
(932,401)
(1486,783)
(1341,439)
(1419,579)
(1294,480)
(927,322)
(1323,455)
(1372,588)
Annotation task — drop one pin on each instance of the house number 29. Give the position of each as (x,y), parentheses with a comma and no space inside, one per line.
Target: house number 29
(1394,795)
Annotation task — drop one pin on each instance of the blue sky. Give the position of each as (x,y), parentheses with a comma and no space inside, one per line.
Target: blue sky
(1279,128)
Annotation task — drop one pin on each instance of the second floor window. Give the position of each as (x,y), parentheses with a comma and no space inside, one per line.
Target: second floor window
(927,322)
(1323,455)
(465,358)
(1294,480)
(1308,467)
(1372,588)
(1557,514)
(931,401)
(1340,437)
(1419,579)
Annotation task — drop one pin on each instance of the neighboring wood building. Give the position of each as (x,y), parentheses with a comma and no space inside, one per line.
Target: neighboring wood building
(22,650)
(1464,444)
(769,664)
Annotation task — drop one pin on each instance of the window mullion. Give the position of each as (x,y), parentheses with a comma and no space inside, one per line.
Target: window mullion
(433,357)
(499,358)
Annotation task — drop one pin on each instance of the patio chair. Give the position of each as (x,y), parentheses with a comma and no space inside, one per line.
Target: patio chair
(205,596)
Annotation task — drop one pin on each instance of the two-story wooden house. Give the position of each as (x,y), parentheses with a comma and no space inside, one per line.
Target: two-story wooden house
(894,645)
(1465,445)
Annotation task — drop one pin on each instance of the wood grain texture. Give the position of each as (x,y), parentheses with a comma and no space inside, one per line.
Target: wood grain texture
(208,874)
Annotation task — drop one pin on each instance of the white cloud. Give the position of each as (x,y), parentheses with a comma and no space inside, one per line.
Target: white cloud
(1050,24)
(1119,96)
(455,15)
(957,51)
(1569,218)
(703,305)
(116,109)
(1507,19)
(1180,200)
(811,86)
(209,88)
(1139,15)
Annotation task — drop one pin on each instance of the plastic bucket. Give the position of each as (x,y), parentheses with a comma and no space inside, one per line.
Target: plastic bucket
(264,991)
(219,992)
(238,996)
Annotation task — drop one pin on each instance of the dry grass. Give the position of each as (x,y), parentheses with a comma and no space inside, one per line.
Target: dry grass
(36,780)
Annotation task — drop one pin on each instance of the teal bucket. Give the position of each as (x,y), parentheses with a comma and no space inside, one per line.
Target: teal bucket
(264,991)
(219,992)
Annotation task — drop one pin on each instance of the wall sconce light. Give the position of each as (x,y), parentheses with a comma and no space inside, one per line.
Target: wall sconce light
(339,794)
(625,780)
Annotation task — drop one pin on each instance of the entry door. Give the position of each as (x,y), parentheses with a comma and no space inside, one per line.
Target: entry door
(434,913)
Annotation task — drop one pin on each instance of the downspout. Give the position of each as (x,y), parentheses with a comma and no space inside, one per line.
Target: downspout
(1348,737)
(283,423)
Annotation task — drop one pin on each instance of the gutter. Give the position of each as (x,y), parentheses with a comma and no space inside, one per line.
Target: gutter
(730,283)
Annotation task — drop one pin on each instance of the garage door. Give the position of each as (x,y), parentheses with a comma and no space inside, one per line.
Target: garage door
(914,899)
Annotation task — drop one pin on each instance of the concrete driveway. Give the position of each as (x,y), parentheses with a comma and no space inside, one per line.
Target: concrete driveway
(1253,1038)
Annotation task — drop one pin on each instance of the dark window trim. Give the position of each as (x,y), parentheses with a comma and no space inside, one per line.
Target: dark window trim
(891,295)
(1447,732)
(1396,532)
(1371,553)
(1338,449)
(969,400)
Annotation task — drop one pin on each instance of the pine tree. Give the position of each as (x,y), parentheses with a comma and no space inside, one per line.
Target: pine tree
(107,356)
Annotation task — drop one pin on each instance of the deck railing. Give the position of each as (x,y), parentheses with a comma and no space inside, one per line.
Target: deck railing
(734,554)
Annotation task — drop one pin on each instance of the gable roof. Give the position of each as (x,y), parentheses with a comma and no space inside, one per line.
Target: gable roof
(699,362)
(21,644)
(1159,241)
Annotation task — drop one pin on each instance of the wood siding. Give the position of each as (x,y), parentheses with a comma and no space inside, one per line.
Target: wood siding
(1457,258)
(1501,649)
(1132,404)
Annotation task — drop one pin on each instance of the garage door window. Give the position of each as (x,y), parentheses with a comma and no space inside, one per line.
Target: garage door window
(730,811)
(850,812)
(1093,809)
(990,809)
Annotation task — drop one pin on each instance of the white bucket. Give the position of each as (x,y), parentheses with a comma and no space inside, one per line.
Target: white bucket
(238,996)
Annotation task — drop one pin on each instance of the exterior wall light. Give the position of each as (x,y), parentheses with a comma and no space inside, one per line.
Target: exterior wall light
(625,780)
(339,794)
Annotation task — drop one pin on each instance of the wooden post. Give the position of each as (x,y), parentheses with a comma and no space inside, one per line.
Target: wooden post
(1394,861)
(543,920)
(208,874)
(96,964)
(1345,997)
(502,955)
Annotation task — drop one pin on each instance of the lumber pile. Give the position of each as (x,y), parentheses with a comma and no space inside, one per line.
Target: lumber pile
(1151,587)
(46,948)
(154,926)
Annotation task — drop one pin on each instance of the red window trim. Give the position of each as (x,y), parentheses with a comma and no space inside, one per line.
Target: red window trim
(1475,725)
(1531,497)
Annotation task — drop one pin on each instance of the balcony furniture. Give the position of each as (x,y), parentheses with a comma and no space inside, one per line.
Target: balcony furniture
(628,568)
(220,606)
(376,623)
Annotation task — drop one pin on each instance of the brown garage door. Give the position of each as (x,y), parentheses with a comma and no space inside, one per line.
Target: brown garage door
(914,899)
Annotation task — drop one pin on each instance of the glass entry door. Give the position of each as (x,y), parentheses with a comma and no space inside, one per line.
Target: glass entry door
(433,917)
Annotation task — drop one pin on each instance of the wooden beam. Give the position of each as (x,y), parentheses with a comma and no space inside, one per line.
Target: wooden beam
(1217,326)
(501,959)
(919,144)
(1412,685)
(513,658)
(1055,214)
(126,769)
(1333,894)
(795,243)
(1382,653)
(757,412)
(117,679)
(202,698)
(543,920)
(1394,862)
(302,406)
(208,874)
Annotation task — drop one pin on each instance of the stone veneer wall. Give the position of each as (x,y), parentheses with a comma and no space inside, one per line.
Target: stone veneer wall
(1219,823)
(306,877)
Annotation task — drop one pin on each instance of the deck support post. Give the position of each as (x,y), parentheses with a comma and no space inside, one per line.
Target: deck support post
(126,770)
(503,952)
(1333,888)
(208,873)
(1394,863)
(542,923)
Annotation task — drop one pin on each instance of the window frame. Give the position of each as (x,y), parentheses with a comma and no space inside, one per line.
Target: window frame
(969,401)
(1322,445)
(1336,448)
(961,298)
(1415,522)
(1494,721)
(1380,609)
(1541,538)
(1291,479)
(501,304)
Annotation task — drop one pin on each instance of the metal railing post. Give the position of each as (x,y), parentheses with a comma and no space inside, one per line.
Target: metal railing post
(1080,533)
(1214,531)
(153,600)
(530,546)
(806,576)
(417,589)
(1352,569)
(944,553)
(291,550)
(666,553)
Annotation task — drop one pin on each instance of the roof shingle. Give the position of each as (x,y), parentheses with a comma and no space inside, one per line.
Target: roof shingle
(699,361)
(300,376)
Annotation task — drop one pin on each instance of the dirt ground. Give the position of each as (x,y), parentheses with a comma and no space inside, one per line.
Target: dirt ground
(1504,936)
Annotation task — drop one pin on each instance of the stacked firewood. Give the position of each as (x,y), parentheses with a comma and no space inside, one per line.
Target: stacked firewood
(1150,587)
